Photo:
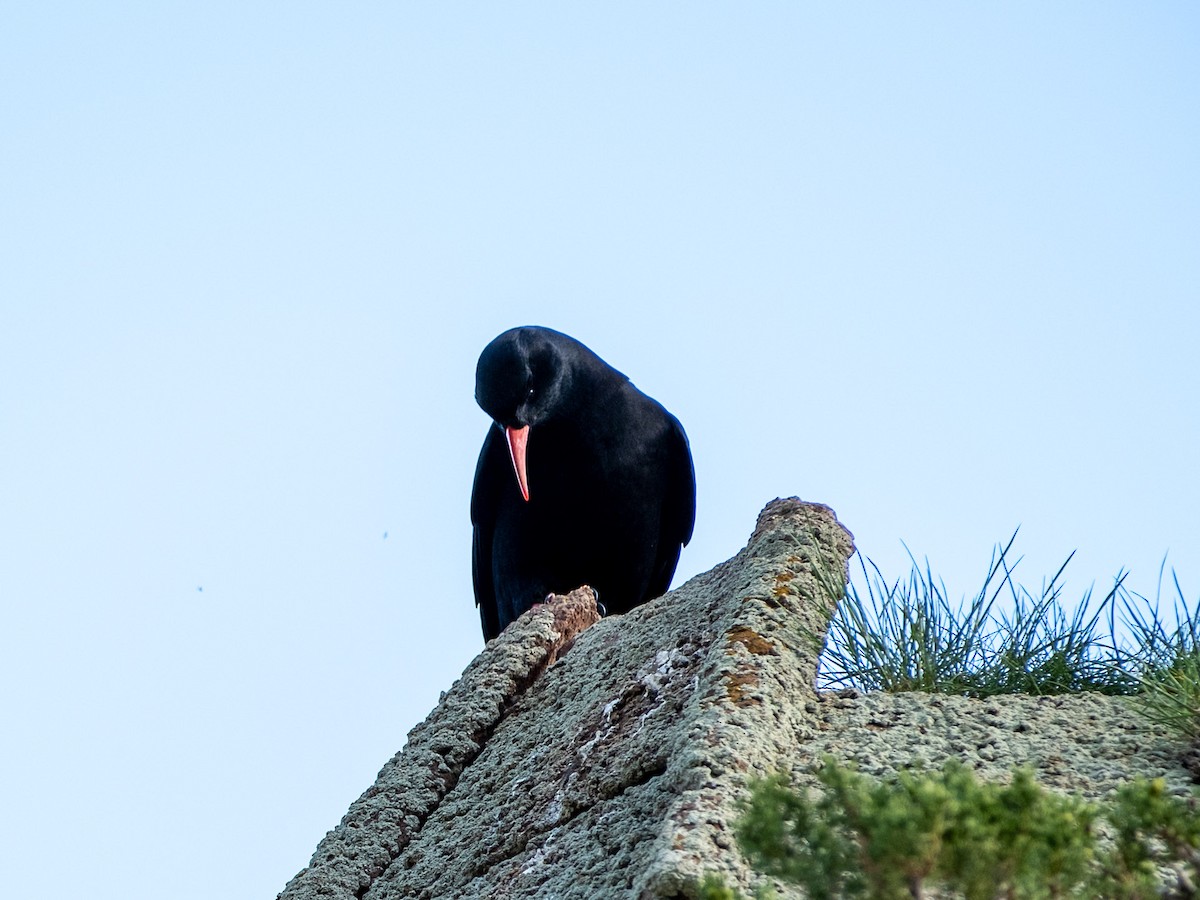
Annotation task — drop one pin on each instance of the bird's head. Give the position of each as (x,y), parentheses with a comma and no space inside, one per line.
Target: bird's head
(522,376)
(522,380)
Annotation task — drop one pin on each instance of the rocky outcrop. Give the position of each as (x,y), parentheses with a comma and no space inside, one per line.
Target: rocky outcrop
(601,762)
(580,757)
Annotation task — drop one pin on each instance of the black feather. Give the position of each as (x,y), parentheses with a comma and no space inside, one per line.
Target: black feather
(612,490)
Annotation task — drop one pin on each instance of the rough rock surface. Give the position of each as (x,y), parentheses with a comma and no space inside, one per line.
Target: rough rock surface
(1086,744)
(580,757)
(612,771)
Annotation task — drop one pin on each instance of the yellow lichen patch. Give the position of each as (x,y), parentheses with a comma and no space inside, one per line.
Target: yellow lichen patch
(752,641)
(783,584)
(738,686)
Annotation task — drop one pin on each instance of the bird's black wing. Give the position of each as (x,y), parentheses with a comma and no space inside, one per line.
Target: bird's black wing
(484,507)
(679,508)
(682,517)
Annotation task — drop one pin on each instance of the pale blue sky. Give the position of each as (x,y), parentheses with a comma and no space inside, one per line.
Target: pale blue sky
(934,265)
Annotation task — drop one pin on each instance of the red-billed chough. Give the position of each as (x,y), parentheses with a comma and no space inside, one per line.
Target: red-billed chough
(582,479)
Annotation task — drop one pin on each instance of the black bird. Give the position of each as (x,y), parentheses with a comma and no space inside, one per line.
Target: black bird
(582,480)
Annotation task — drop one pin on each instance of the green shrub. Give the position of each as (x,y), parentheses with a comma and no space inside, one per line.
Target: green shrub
(946,830)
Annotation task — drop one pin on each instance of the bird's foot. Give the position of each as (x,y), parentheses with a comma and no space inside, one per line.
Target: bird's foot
(545,601)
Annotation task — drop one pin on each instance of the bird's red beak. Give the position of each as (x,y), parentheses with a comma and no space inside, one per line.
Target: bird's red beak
(517,439)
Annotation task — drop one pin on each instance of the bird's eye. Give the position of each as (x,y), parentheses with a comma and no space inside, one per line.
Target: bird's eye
(529,393)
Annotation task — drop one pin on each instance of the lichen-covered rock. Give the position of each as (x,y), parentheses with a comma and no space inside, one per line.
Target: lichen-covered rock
(417,779)
(580,757)
(612,771)
(1086,744)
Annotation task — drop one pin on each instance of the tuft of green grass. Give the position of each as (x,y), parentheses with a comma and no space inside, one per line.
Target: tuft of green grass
(1166,658)
(1172,695)
(903,637)
(909,636)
